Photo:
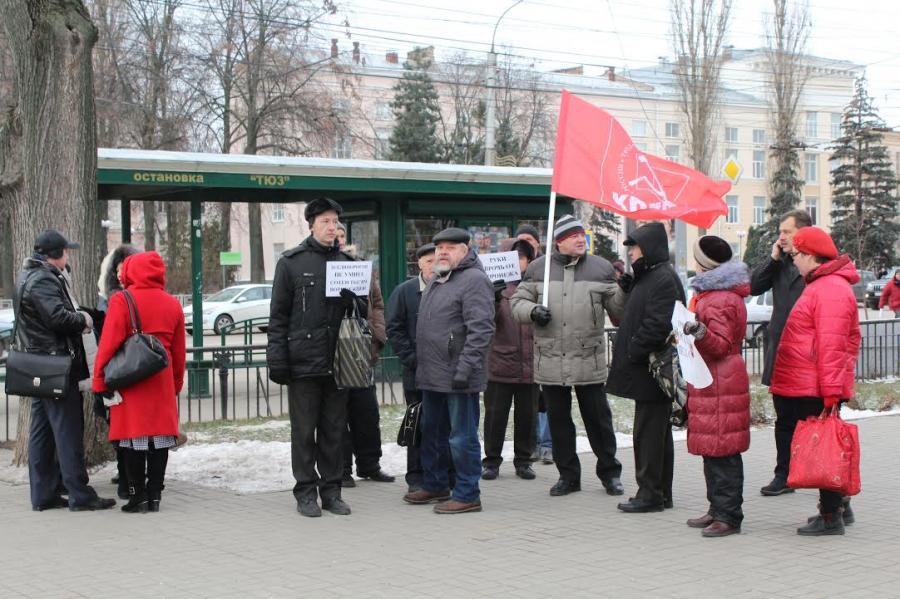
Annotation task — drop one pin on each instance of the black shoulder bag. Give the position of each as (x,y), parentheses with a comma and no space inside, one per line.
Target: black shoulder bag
(35,374)
(139,357)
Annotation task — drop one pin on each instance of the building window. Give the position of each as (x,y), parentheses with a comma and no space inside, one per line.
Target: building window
(759,210)
(835,125)
(731,153)
(639,128)
(759,164)
(810,168)
(277,250)
(812,125)
(759,137)
(812,207)
(343,146)
(673,130)
(731,135)
(732,202)
(382,144)
(278,214)
(673,153)
(383,111)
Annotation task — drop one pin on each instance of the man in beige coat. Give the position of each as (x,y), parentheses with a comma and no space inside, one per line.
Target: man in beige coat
(570,350)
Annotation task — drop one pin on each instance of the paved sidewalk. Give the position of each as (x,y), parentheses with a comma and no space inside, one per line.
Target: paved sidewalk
(208,543)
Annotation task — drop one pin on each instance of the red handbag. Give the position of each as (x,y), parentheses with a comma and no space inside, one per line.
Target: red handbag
(825,455)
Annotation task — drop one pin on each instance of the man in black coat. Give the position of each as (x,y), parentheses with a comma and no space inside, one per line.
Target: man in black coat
(47,322)
(303,329)
(653,291)
(779,274)
(402,315)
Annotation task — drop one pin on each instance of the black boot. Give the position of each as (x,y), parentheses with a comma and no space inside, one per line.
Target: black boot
(121,479)
(823,524)
(157,459)
(135,464)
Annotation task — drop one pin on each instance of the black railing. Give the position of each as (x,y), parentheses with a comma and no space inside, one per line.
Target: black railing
(232,382)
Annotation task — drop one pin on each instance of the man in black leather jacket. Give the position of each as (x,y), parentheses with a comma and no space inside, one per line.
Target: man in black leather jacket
(47,322)
(303,329)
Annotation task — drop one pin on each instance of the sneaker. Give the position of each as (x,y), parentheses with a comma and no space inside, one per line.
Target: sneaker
(336,506)
(490,473)
(423,496)
(457,507)
(776,487)
(525,472)
(546,455)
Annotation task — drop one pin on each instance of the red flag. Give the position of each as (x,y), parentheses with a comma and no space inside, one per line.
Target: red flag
(597,162)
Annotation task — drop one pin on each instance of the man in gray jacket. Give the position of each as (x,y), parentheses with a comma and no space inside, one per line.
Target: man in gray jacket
(453,334)
(570,350)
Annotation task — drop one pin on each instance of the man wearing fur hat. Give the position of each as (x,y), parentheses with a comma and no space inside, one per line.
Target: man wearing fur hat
(824,319)
(570,350)
(303,327)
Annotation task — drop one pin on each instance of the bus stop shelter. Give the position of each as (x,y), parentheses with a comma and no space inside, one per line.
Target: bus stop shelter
(390,208)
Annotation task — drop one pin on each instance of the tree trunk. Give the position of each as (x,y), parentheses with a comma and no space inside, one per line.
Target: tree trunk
(51,44)
(149,225)
(257,264)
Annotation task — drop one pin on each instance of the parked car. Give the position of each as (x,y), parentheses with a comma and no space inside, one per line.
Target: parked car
(874,289)
(7,319)
(859,288)
(759,313)
(232,304)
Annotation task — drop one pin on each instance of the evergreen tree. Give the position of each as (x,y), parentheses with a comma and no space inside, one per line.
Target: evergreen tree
(864,205)
(507,145)
(416,114)
(605,226)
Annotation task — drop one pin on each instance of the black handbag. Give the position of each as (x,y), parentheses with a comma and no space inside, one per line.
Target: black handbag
(138,358)
(666,371)
(35,374)
(410,435)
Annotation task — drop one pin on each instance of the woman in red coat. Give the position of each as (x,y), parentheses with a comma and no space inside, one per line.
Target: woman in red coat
(719,415)
(890,297)
(145,423)
(817,354)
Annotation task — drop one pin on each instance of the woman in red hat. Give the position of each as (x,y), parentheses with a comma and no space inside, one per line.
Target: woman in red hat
(145,423)
(817,354)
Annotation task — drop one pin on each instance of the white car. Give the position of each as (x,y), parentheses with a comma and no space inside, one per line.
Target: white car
(759,313)
(7,318)
(232,304)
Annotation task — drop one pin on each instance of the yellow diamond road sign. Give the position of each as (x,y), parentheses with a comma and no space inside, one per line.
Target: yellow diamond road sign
(732,169)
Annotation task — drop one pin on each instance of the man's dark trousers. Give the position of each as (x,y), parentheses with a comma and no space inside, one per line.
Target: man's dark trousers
(654,451)
(788,412)
(318,411)
(362,435)
(498,397)
(725,488)
(57,430)
(597,418)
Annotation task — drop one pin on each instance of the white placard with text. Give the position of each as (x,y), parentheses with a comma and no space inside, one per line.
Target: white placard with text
(502,265)
(355,276)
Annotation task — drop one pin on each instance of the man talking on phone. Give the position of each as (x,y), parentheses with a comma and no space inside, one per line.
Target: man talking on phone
(779,274)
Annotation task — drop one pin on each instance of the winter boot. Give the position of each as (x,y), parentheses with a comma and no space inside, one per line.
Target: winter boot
(135,464)
(121,479)
(823,524)
(157,459)
(847,514)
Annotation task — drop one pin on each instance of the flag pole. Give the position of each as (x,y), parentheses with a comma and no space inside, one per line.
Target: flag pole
(550,217)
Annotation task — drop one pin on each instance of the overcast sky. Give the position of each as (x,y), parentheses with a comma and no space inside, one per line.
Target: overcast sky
(623,33)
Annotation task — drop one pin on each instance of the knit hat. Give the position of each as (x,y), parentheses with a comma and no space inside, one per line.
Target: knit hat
(566,227)
(526,229)
(815,242)
(711,251)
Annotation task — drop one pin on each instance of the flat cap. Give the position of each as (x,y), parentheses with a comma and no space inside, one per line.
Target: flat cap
(52,240)
(453,235)
(320,205)
(424,250)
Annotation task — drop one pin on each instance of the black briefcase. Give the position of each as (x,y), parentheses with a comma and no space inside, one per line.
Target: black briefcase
(31,374)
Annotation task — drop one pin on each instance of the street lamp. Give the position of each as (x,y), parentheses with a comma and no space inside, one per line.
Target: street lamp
(741,235)
(490,82)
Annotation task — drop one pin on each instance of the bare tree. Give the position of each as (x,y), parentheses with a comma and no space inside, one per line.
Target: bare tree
(48,150)
(463,132)
(525,116)
(699,28)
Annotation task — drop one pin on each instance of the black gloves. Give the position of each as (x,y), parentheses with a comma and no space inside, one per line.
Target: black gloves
(695,328)
(499,286)
(460,383)
(282,376)
(99,408)
(626,282)
(540,315)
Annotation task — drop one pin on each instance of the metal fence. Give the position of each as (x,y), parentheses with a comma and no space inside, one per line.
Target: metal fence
(232,383)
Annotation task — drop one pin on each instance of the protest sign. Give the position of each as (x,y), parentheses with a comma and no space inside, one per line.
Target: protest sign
(502,265)
(355,276)
(693,368)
